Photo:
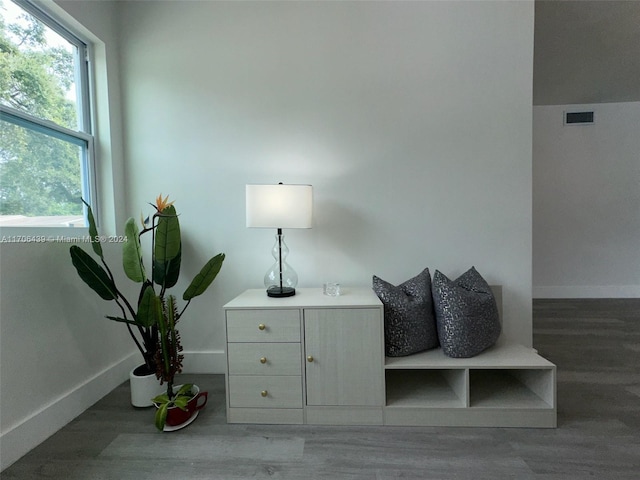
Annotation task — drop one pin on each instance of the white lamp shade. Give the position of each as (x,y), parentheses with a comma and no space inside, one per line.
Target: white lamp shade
(279,206)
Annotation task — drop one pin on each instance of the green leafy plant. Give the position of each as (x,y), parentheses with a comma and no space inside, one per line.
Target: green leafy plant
(163,403)
(151,320)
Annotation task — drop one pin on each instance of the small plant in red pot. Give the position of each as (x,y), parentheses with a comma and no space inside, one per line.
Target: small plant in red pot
(182,409)
(179,406)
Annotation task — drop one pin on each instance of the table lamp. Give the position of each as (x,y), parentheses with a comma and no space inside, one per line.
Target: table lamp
(279,206)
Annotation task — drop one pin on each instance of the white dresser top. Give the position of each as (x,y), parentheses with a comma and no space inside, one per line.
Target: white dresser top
(307,297)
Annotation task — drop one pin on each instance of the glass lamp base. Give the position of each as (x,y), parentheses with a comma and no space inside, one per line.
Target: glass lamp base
(280,292)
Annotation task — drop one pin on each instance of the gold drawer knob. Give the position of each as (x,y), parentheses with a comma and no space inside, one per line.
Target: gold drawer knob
(310,358)
(262,326)
(263,359)
(264,393)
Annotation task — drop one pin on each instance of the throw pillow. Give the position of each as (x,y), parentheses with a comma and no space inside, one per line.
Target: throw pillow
(466,314)
(409,321)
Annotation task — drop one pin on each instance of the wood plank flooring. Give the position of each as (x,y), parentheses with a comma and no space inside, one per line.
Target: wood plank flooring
(594,343)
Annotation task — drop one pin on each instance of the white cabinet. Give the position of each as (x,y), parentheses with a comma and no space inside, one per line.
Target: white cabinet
(320,360)
(305,359)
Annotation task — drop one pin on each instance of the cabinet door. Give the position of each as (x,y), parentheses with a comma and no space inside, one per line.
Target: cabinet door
(344,356)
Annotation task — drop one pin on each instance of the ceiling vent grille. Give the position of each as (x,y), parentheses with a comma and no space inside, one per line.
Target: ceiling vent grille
(578,118)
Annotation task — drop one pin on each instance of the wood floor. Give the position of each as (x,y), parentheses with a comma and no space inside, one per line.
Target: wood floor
(594,343)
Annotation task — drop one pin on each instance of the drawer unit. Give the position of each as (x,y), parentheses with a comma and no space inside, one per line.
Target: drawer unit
(263,326)
(264,365)
(266,391)
(264,359)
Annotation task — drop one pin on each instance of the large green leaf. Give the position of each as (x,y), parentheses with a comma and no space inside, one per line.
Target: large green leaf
(185,389)
(167,244)
(92,274)
(167,273)
(181,402)
(203,279)
(160,399)
(132,253)
(148,308)
(94,237)
(167,248)
(161,416)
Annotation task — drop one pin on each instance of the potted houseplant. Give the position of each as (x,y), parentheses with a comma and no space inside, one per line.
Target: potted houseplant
(144,317)
(180,404)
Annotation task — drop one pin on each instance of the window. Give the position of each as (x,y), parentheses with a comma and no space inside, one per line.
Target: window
(46,146)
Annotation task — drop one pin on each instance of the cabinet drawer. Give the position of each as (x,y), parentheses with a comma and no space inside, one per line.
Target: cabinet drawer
(263,325)
(264,359)
(265,391)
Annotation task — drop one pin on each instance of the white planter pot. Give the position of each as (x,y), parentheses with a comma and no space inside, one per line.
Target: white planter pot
(143,388)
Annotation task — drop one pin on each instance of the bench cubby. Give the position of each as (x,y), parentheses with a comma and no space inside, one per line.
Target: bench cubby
(507,385)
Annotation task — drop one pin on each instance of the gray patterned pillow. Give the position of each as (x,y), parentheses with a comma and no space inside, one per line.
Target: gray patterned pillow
(466,314)
(409,321)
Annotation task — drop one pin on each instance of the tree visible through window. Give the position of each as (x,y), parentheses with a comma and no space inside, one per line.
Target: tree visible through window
(45,142)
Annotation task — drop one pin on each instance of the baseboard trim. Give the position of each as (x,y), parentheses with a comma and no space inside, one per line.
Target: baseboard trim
(210,362)
(33,430)
(598,291)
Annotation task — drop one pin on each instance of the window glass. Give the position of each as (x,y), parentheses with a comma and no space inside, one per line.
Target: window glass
(40,69)
(41,177)
(45,146)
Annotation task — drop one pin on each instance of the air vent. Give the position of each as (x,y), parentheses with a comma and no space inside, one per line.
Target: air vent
(578,118)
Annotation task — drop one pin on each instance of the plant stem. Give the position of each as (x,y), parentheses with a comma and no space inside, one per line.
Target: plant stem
(124,314)
(170,389)
(183,309)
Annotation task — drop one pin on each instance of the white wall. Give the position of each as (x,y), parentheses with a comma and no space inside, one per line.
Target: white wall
(586,210)
(58,355)
(412,120)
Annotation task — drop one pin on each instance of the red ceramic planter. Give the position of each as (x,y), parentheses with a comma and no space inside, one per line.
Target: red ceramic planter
(176,417)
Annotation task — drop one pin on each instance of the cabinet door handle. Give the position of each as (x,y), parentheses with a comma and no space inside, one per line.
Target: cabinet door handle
(263,359)
(264,393)
(310,358)
(262,326)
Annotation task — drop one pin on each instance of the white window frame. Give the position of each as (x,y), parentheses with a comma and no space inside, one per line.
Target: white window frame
(82,137)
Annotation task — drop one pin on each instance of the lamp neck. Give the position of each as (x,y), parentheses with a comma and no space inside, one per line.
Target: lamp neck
(280,255)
